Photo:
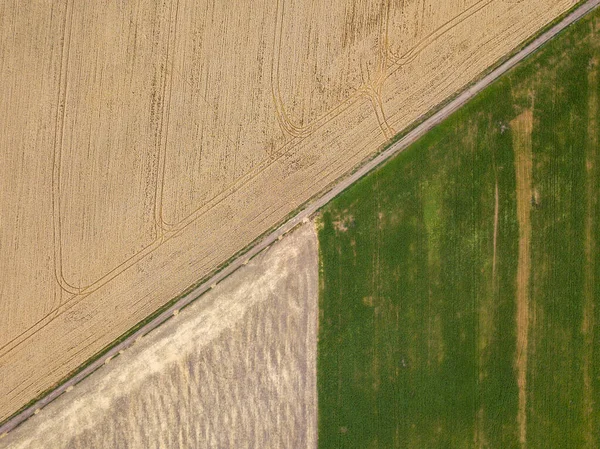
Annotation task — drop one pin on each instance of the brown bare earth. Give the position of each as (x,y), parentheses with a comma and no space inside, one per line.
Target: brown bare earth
(521,131)
(237,369)
(145,143)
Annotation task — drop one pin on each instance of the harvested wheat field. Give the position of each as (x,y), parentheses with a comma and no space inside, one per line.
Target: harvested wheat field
(145,143)
(235,369)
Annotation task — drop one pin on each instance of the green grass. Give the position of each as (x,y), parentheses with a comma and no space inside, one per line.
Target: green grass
(418,332)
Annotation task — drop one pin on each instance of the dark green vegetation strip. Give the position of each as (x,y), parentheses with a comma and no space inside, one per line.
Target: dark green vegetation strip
(460,283)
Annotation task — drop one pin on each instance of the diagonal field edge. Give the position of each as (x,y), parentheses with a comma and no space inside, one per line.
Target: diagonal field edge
(309,210)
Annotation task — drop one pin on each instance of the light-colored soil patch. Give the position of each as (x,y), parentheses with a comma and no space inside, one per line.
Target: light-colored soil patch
(235,369)
(145,143)
(521,130)
(496,213)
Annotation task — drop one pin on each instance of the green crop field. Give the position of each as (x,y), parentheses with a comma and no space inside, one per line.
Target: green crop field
(460,283)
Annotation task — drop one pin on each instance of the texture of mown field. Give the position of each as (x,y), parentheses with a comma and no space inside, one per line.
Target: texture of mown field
(235,369)
(461,282)
(146,143)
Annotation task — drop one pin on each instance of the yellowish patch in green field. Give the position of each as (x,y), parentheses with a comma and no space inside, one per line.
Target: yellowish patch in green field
(521,131)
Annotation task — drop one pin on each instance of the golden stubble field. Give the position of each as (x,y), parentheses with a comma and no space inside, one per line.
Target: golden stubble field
(144,143)
(237,368)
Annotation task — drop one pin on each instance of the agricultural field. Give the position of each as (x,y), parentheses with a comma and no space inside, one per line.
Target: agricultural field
(145,143)
(237,368)
(460,283)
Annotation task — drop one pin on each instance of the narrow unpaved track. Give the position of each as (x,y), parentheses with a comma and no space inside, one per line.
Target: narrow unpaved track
(312,207)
